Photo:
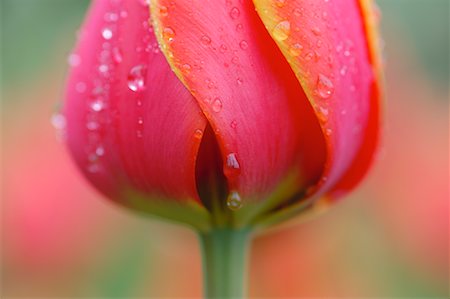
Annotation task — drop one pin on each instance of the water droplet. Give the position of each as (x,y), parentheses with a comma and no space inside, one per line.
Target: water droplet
(209,83)
(217,105)
(316,31)
(92,125)
(243,45)
(319,43)
(223,48)
(100,151)
(123,14)
(107,33)
(103,68)
(296,49)
(168,34)
(74,60)
(343,70)
(163,11)
(298,12)
(323,111)
(111,17)
(325,87)
(322,114)
(309,56)
(136,78)
(97,105)
(233,124)
(80,87)
(328,131)
(239,81)
(198,134)
(239,27)
(234,201)
(232,161)
(117,55)
(93,168)
(206,40)
(144,2)
(280,3)
(235,60)
(234,13)
(282,30)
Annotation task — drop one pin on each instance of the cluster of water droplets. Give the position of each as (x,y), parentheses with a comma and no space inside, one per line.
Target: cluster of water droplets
(96,91)
(310,48)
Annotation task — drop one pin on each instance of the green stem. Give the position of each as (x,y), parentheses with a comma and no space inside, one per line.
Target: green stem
(224,262)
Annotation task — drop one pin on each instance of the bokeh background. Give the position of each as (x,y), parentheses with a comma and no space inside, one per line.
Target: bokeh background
(60,238)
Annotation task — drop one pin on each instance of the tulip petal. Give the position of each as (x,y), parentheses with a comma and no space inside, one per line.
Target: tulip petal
(131,124)
(325,43)
(263,123)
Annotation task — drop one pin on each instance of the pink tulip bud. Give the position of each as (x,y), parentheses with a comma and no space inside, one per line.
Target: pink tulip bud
(198,110)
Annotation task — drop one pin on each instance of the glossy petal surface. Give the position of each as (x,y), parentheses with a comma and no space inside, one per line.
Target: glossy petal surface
(263,122)
(326,45)
(130,121)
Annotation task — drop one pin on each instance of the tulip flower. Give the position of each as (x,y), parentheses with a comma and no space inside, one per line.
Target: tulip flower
(228,116)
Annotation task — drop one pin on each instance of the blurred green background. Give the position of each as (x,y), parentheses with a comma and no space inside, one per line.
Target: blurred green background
(389,239)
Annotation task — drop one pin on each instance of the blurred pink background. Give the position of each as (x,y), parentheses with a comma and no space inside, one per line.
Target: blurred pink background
(390,238)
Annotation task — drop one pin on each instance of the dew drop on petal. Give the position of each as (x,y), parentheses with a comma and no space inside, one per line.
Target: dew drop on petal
(234,13)
(107,33)
(243,45)
(296,49)
(97,105)
(206,40)
(280,3)
(217,105)
(144,2)
(100,151)
(163,11)
(232,162)
(117,55)
(298,12)
(198,134)
(316,31)
(92,125)
(168,34)
(93,167)
(136,78)
(324,87)
(309,56)
(282,30)
(186,68)
(103,68)
(234,201)
(223,48)
(80,87)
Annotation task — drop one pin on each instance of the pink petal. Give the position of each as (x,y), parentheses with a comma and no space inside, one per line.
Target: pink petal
(131,124)
(326,45)
(262,120)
